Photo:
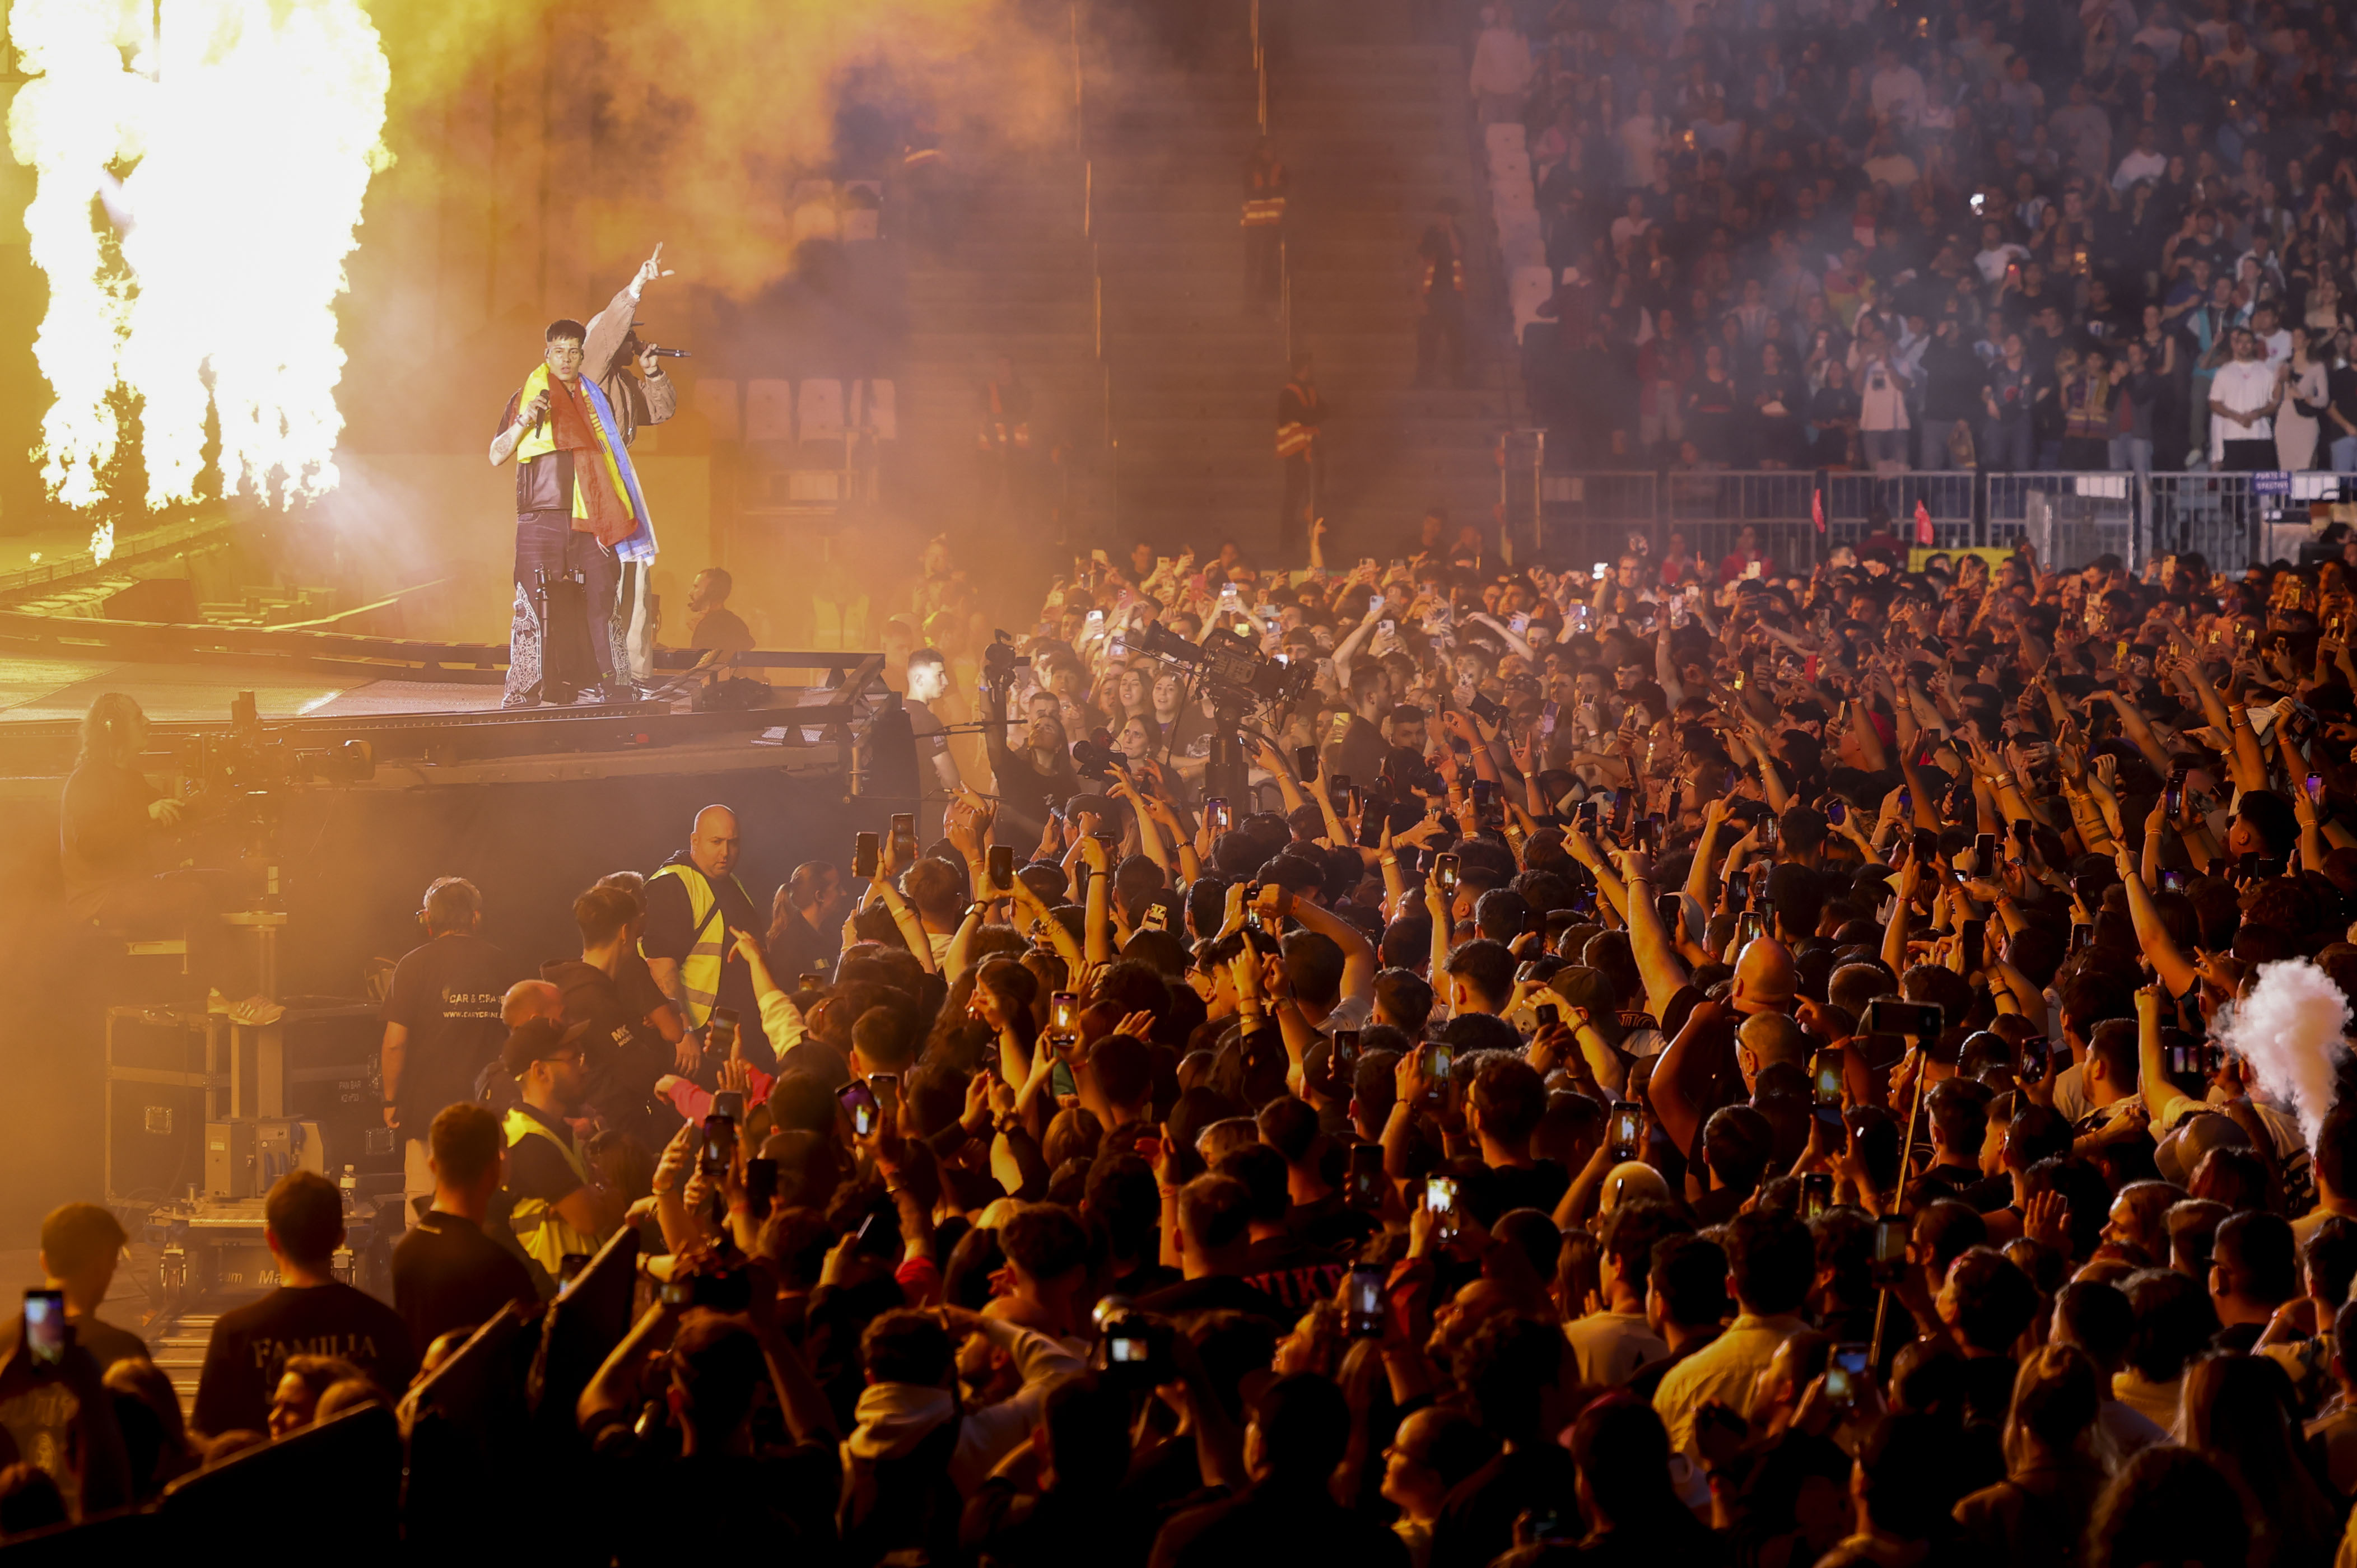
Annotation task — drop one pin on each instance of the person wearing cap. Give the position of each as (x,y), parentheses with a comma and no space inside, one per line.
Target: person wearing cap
(2230,1100)
(557,1203)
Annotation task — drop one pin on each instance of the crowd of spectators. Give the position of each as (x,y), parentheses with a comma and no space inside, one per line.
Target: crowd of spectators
(1959,234)
(1672,1064)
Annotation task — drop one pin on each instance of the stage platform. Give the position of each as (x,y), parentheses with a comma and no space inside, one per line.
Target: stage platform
(425,711)
(369,768)
(61,688)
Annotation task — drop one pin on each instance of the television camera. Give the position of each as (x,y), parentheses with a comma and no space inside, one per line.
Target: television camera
(1238,677)
(232,781)
(246,758)
(1232,670)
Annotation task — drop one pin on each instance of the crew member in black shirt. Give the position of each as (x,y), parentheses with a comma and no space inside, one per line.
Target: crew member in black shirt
(308,1314)
(446,1272)
(640,993)
(441,1021)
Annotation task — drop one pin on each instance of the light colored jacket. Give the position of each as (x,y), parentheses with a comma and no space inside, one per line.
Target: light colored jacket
(891,1419)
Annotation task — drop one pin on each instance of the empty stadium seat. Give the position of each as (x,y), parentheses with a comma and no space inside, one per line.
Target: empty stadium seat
(820,410)
(769,410)
(875,409)
(1520,242)
(863,208)
(716,398)
(1527,288)
(814,210)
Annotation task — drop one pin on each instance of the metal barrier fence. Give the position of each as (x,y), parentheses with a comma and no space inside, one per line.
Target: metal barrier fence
(2231,520)
(1591,516)
(2070,518)
(1713,511)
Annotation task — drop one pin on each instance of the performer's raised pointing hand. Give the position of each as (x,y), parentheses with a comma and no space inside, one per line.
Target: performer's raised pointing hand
(652,269)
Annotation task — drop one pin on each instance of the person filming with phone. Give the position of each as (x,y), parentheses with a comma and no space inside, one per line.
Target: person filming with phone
(56,1412)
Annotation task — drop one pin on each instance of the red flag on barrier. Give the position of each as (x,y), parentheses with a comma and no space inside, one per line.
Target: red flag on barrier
(1922,522)
(1817,509)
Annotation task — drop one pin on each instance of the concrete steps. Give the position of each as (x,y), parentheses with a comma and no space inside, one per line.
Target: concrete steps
(1016,282)
(1195,363)
(1378,130)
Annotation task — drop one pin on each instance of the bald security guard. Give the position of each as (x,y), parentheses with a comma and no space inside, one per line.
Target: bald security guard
(693,903)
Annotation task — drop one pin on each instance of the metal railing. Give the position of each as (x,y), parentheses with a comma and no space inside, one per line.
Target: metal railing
(1284,243)
(169,537)
(1521,459)
(1260,70)
(1795,516)
(1285,299)
(1108,444)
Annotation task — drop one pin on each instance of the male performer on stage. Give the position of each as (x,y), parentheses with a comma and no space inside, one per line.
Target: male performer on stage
(578,506)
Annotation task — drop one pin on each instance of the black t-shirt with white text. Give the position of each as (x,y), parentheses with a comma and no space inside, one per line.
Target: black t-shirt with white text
(446,994)
(250,1347)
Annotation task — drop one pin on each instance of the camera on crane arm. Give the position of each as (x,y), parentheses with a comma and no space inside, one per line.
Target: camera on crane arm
(1235,673)
(248,758)
(231,776)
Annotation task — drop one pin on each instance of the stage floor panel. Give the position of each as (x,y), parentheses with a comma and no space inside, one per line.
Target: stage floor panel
(408,697)
(166,693)
(53,689)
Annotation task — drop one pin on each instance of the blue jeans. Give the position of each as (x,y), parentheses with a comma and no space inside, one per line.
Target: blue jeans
(2130,455)
(2344,455)
(2005,443)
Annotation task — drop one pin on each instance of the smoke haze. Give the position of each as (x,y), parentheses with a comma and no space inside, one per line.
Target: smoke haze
(2292,1029)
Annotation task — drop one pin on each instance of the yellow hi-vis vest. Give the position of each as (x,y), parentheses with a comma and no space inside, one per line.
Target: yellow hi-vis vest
(699,973)
(540,440)
(543,1232)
